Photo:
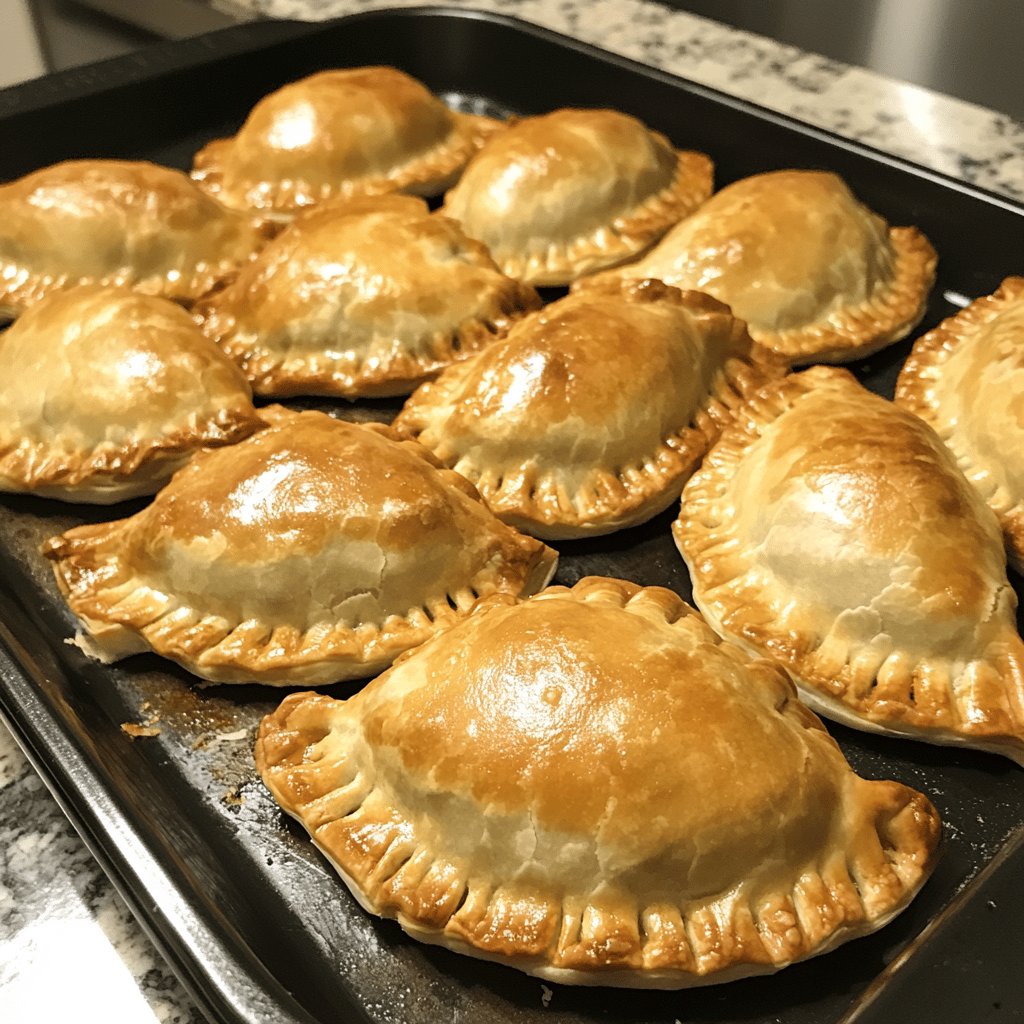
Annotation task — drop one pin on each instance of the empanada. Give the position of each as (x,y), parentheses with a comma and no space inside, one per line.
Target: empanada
(362,298)
(314,551)
(833,531)
(590,786)
(815,274)
(966,378)
(592,413)
(567,193)
(104,393)
(341,133)
(115,222)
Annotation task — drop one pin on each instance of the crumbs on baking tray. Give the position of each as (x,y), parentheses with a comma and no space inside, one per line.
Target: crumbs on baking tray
(147,727)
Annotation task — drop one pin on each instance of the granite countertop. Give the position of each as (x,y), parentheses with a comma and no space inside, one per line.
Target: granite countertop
(68,946)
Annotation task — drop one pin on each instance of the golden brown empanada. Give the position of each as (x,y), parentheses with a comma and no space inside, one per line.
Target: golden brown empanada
(104,393)
(966,378)
(341,133)
(817,276)
(561,195)
(833,531)
(115,222)
(314,551)
(592,413)
(365,297)
(590,786)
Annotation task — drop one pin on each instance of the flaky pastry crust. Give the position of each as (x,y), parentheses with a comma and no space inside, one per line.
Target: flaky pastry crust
(360,298)
(966,379)
(815,274)
(312,552)
(592,413)
(338,134)
(590,786)
(833,531)
(564,194)
(115,222)
(104,393)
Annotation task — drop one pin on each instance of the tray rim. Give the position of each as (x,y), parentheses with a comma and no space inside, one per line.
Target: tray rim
(41,733)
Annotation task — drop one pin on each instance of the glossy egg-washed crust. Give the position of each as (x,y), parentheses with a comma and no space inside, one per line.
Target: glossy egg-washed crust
(115,222)
(362,298)
(314,551)
(567,193)
(350,132)
(590,415)
(104,393)
(590,786)
(817,276)
(833,531)
(966,378)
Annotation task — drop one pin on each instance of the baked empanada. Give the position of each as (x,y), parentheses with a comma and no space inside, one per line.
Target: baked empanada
(561,195)
(115,222)
(104,393)
(966,378)
(347,132)
(311,552)
(833,531)
(592,413)
(366,297)
(815,274)
(590,786)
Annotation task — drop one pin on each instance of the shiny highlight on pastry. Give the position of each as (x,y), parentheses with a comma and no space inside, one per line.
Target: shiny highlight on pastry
(816,275)
(313,552)
(564,194)
(590,786)
(340,133)
(833,531)
(591,414)
(966,378)
(105,393)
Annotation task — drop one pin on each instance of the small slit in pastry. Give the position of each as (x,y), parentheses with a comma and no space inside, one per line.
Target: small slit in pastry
(105,393)
(115,222)
(308,522)
(639,377)
(564,194)
(847,545)
(340,134)
(816,275)
(561,837)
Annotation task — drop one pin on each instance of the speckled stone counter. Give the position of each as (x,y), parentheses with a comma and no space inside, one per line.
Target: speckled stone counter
(69,949)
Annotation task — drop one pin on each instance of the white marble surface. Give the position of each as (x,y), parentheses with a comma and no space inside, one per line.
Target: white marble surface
(69,949)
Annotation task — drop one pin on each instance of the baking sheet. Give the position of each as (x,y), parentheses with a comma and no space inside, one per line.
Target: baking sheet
(232,891)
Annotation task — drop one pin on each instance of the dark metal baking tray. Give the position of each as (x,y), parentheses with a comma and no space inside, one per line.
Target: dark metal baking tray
(246,911)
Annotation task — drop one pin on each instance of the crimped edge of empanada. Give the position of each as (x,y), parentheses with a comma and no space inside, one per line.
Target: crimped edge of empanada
(112,472)
(606,500)
(897,697)
(124,613)
(272,375)
(891,312)
(915,391)
(840,894)
(428,174)
(20,288)
(629,235)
